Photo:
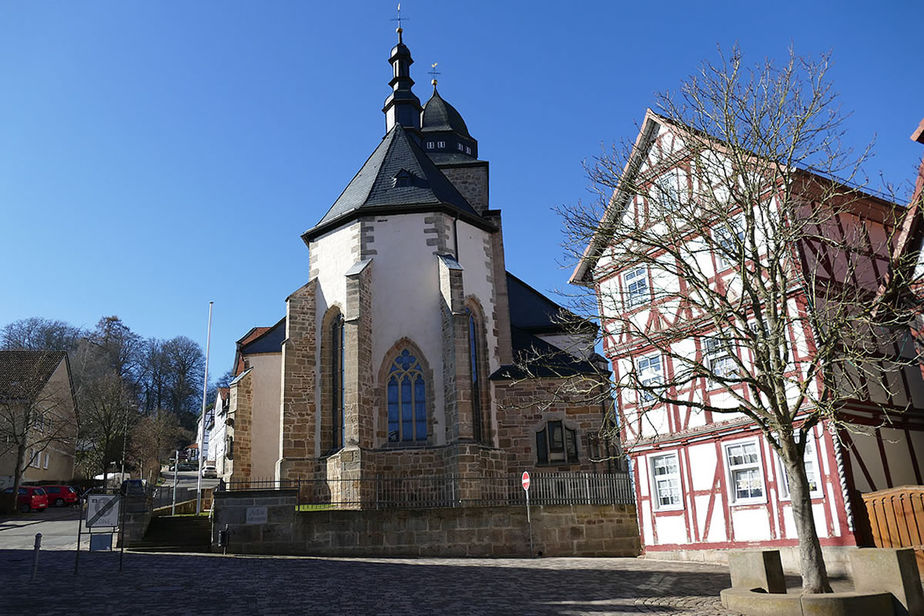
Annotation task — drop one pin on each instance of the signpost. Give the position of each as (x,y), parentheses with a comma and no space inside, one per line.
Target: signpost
(524,480)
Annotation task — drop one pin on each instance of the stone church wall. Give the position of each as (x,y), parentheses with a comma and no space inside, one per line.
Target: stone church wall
(525,407)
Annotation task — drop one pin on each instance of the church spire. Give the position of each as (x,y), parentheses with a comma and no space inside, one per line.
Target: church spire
(402,106)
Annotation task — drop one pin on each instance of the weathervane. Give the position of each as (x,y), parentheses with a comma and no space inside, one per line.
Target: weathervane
(399,18)
(433,72)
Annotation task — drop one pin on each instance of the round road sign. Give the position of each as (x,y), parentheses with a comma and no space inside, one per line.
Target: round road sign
(525,480)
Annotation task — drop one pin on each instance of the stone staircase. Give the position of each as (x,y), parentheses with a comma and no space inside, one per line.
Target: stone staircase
(182,533)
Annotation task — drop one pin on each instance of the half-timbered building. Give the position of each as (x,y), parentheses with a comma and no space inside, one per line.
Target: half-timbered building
(706,482)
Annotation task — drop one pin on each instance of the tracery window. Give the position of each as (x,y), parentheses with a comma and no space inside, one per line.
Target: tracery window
(336,385)
(406,392)
(477,430)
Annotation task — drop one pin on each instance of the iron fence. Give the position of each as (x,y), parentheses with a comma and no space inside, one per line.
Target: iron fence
(438,491)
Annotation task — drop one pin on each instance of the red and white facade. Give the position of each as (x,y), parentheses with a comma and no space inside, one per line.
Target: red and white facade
(710,481)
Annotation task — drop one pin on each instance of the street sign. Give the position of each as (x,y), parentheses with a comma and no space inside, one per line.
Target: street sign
(102,510)
(525,480)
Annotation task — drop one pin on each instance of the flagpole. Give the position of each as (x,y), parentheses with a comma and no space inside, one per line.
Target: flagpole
(205,389)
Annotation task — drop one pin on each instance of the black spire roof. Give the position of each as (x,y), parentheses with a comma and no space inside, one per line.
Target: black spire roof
(398,178)
(438,115)
(402,106)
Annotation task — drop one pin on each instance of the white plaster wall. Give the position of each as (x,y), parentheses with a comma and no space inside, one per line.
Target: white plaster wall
(896,448)
(407,300)
(866,448)
(672,529)
(702,465)
(750,524)
(475,272)
(265,424)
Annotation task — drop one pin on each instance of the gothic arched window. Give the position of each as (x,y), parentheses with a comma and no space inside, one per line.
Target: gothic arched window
(407,400)
(473,362)
(336,382)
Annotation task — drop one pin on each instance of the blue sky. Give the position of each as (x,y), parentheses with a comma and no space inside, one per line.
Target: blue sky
(158,155)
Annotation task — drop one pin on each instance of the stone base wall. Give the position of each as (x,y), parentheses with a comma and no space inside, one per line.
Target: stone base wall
(836,557)
(260,521)
(581,530)
(138,512)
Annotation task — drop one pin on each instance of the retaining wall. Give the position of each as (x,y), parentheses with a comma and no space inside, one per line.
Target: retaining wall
(276,528)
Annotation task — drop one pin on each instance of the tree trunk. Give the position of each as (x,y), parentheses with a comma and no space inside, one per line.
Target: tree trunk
(811,560)
(17,474)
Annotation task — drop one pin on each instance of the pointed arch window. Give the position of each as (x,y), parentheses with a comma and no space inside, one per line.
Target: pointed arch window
(473,362)
(407,400)
(336,385)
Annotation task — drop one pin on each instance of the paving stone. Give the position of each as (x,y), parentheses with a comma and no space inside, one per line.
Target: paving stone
(239,585)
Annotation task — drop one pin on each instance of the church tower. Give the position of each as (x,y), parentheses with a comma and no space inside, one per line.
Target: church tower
(401,355)
(390,345)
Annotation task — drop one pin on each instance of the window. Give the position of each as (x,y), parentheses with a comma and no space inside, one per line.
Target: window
(635,283)
(718,358)
(667,191)
(229,449)
(556,443)
(440,144)
(728,238)
(810,460)
(468,150)
(650,374)
(406,400)
(745,477)
(665,482)
(429,145)
(336,385)
(45,465)
(460,146)
(477,431)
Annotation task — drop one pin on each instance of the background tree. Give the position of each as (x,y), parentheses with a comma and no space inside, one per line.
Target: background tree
(758,152)
(39,334)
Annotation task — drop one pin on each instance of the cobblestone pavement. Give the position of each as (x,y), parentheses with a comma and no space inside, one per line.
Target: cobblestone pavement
(232,585)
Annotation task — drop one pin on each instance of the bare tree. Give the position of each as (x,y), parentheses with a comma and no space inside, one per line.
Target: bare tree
(732,241)
(36,410)
(153,438)
(40,334)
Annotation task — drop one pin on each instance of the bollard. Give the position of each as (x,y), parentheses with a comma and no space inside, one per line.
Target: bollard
(38,544)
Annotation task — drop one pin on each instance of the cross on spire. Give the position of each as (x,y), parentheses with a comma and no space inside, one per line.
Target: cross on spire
(434,73)
(399,19)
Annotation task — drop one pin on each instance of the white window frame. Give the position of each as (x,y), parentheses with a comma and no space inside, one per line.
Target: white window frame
(732,469)
(645,397)
(723,235)
(440,145)
(637,296)
(45,466)
(666,477)
(715,350)
(811,456)
(670,190)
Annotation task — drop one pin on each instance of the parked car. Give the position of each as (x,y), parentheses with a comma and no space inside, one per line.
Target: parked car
(209,471)
(59,496)
(30,498)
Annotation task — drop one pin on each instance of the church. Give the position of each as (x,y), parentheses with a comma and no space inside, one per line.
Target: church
(410,350)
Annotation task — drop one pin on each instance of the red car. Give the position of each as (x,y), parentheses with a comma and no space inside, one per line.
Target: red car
(30,498)
(60,496)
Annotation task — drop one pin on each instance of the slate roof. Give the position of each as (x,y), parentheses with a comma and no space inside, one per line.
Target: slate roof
(438,115)
(374,188)
(23,374)
(270,341)
(531,314)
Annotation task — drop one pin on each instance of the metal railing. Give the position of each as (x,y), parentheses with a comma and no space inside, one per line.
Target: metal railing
(439,491)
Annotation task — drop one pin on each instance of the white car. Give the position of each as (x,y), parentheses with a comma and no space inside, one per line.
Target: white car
(209,471)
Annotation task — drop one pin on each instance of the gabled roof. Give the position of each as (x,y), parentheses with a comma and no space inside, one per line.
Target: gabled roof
(23,374)
(377,189)
(253,334)
(532,311)
(270,341)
